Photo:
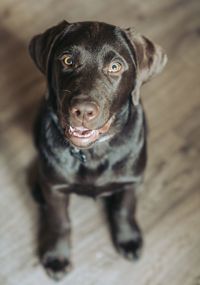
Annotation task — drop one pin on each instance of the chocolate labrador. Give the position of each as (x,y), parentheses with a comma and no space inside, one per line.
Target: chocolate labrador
(91,130)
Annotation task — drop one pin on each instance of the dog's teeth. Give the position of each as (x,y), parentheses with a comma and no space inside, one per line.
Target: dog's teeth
(81,132)
(71,130)
(80,129)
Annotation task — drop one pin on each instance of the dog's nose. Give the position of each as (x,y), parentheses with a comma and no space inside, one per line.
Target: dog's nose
(86,111)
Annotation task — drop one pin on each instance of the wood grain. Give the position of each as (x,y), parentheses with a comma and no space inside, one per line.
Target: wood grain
(169,205)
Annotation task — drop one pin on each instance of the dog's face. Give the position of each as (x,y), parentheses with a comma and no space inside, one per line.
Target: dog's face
(92,70)
(93,75)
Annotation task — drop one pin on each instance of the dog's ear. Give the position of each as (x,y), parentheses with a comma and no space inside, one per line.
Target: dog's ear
(41,45)
(150,57)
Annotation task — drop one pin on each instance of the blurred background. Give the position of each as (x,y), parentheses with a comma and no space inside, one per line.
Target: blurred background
(169,206)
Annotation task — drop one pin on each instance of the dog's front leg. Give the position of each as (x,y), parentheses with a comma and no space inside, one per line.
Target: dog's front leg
(126,233)
(55,232)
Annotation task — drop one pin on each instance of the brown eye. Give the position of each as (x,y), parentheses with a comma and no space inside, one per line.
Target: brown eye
(67,60)
(115,67)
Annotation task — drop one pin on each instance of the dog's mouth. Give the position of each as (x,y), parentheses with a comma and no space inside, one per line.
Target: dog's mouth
(83,137)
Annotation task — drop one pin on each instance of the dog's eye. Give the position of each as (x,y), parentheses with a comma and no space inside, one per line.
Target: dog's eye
(67,60)
(114,67)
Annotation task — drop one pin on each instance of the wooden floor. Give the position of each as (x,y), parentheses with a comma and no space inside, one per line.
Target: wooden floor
(169,206)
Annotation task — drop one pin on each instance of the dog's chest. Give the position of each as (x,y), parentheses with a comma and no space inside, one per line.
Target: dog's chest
(104,172)
(97,177)
(103,180)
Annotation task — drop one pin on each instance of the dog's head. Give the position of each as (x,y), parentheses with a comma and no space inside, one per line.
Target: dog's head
(93,69)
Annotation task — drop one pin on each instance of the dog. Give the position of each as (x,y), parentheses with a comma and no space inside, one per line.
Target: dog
(91,131)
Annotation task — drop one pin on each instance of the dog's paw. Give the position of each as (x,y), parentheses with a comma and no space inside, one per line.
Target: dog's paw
(131,249)
(56,267)
(129,243)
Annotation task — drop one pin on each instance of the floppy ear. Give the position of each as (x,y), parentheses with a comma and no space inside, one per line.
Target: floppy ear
(150,57)
(41,45)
